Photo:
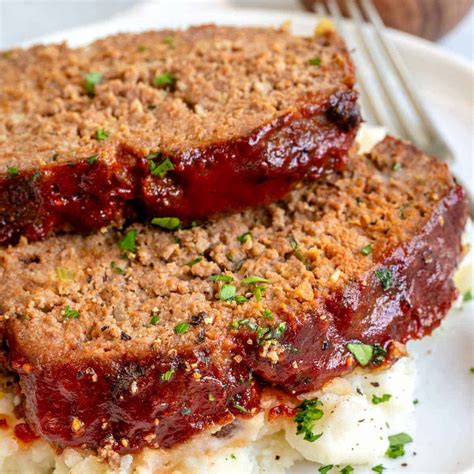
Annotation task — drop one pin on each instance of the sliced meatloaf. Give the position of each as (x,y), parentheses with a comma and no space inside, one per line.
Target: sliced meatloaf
(170,123)
(145,337)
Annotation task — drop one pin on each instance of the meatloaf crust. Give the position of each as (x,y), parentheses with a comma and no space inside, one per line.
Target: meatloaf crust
(119,353)
(171,123)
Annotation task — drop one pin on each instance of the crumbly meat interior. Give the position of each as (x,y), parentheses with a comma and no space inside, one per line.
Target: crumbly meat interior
(159,90)
(306,247)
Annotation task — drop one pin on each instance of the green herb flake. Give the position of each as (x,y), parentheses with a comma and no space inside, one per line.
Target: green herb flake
(384,398)
(315,61)
(257,292)
(240,299)
(227,292)
(221,278)
(244,237)
(396,166)
(379,354)
(166,377)
(385,278)
(154,319)
(194,261)
(252,280)
(397,445)
(101,134)
(181,328)
(12,171)
(128,245)
(379,468)
(298,253)
(240,408)
(362,352)
(305,419)
(233,456)
(35,176)
(211,397)
(367,250)
(169,40)
(467,296)
(162,169)
(347,470)
(266,313)
(92,159)
(92,79)
(116,268)
(70,313)
(325,469)
(416,401)
(280,329)
(141,49)
(163,80)
(168,223)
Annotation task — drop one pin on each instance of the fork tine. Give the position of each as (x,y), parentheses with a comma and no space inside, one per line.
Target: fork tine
(368,103)
(389,93)
(402,73)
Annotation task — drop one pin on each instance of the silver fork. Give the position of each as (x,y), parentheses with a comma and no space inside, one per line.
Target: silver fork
(393,101)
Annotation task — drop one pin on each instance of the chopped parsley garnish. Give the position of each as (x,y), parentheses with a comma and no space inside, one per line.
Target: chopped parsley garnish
(181,328)
(347,470)
(367,250)
(315,61)
(467,296)
(362,352)
(253,279)
(101,134)
(280,329)
(416,401)
(240,299)
(162,169)
(221,278)
(168,40)
(379,354)
(141,49)
(70,313)
(92,79)
(384,398)
(266,313)
(305,419)
(396,166)
(385,277)
(244,237)
(155,319)
(397,445)
(128,245)
(35,176)
(325,469)
(169,223)
(240,408)
(165,79)
(194,261)
(92,159)
(297,252)
(227,292)
(379,468)
(12,171)
(116,268)
(211,397)
(166,377)
(257,292)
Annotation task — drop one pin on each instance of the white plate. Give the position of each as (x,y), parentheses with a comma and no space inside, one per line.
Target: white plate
(444,416)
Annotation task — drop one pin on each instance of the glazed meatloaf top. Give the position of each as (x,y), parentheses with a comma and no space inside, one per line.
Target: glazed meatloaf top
(144,337)
(171,120)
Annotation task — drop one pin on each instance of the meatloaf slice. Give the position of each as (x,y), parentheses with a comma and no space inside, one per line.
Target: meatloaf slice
(169,123)
(145,337)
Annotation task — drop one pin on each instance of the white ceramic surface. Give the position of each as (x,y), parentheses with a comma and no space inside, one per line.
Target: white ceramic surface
(444,439)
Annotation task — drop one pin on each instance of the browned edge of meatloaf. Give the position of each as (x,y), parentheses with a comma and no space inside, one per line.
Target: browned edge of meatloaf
(148,398)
